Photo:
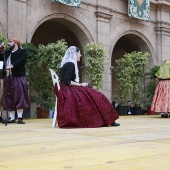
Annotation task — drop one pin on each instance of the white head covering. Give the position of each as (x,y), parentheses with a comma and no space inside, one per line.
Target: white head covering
(70,56)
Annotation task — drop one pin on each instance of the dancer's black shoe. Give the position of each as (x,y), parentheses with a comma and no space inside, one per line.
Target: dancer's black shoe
(8,121)
(20,121)
(115,124)
(162,115)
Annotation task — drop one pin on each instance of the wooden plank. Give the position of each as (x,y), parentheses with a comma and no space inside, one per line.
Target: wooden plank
(140,143)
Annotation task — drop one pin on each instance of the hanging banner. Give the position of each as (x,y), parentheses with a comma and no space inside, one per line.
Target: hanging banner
(75,3)
(139,9)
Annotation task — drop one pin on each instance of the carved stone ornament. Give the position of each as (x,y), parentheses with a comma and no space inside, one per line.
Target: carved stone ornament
(139,9)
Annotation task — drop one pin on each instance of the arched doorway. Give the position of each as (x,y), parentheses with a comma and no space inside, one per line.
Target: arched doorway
(127,44)
(51,31)
(55,29)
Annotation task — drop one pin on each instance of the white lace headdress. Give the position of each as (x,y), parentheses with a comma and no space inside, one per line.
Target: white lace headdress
(70,56)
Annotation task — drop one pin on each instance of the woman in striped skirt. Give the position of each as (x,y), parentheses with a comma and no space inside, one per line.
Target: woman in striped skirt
(161,100)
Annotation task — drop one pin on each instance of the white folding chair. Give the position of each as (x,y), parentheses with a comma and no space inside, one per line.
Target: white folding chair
(55,80)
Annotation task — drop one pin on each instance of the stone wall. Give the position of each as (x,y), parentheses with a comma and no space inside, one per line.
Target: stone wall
(104,21)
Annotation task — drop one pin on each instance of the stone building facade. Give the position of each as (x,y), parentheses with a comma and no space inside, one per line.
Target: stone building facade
(104,21)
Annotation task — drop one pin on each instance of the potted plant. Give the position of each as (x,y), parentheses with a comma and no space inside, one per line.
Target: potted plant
(95,59)
(39,77)
(140,59)
(3,41)
(130,71)
(123,72)
(150,89)
(32,52)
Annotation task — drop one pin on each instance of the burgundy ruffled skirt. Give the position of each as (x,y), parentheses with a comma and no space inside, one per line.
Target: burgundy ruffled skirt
(15,93)
(83,107)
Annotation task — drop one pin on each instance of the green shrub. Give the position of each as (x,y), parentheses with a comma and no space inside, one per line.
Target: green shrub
(95,59)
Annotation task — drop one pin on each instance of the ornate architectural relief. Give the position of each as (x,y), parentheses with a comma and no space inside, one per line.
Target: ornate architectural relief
(139,9)
(75,3)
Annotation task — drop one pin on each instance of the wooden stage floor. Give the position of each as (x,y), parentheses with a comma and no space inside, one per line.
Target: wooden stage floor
(140,143)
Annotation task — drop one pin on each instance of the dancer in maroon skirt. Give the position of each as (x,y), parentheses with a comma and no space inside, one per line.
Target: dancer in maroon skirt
(15,90)
(80,106)
(161,100)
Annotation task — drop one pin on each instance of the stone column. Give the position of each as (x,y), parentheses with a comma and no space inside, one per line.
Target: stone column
(162,32)
(162,43)
(103,18)
(17,19)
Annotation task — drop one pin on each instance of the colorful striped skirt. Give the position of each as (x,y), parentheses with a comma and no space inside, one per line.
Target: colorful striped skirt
(161,100)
